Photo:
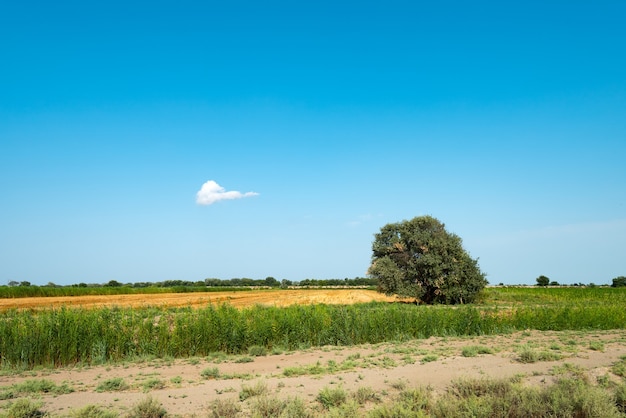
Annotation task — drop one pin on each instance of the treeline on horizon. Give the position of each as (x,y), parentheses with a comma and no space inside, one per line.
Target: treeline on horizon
(26,289)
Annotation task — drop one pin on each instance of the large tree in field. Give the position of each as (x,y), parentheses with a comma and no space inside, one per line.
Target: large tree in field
(420,259)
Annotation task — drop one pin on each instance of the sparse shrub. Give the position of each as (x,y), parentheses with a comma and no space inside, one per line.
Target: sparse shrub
(620,398)
(224,408)
(365,394)
(112,385)
(257,351)
(153,383)
(474,350)
(296,408)
(25,408)
(148,408)
(210,373)
(596,346)
(332,397)
(247,391)
(244,359)
(428,358)
(93,411)
(268,407)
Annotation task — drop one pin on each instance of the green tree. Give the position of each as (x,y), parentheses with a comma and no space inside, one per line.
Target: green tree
(543,281)
(619,282)
(421,260)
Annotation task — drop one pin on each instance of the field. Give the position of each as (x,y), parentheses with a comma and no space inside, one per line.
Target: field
(315,352)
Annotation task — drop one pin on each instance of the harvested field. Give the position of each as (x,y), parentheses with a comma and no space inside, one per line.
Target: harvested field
(277,298)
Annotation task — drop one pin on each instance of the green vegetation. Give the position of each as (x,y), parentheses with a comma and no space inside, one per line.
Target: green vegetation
(66,336)
(419,259)
(147,408)
(34,386)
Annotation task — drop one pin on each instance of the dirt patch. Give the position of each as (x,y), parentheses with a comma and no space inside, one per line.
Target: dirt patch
(186,387)
(200,299)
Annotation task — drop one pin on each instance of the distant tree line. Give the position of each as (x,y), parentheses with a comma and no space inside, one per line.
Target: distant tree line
(213,282)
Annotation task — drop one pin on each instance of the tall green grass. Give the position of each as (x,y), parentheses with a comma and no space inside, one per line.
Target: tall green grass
(68,336)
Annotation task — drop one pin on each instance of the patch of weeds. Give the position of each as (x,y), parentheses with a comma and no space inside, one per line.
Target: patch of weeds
(619,368)
(93,411)
(408,359)
(296,408)
(527,354)
(569,369)
(194,361)
(25,408)
(248,391)
(210,373)
(268,407)
(177,380)
(398,384)
(475,350)
(277,350)
(331,397)
(243,359)
(304,370)
(620,398)
(114,384)
(224,408)
(34,386)
(152,384)
(428,358)
(217,357)
(365,394)
(596,346)
(147,408)
(257,351)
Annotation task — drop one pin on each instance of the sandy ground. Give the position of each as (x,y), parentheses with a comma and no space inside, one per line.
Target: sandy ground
(238,299)
(385,368)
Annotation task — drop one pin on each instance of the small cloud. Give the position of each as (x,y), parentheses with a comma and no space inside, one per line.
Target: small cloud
(211,192)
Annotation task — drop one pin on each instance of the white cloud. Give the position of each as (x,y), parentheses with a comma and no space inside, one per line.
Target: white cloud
(211,192)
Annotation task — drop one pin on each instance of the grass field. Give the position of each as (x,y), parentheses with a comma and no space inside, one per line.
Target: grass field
(224,337)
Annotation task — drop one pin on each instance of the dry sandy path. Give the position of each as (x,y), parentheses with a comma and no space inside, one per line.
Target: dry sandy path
(382,367)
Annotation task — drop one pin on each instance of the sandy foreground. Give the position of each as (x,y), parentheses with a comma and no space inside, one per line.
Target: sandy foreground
(386,368)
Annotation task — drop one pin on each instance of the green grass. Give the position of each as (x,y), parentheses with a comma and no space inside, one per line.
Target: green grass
(65,336)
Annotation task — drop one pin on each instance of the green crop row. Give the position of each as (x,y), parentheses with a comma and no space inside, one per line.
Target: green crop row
(69,336)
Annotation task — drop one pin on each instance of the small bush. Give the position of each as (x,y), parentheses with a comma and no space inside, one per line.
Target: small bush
(226,408)
(210,373)
(112,385)
(25,408)
(365,394)
(296,408)
(474,350)
(268,407)
(332,397)
(152,384)
(148,408)
(259,388)
(257,351)
(596,346)
(93,411)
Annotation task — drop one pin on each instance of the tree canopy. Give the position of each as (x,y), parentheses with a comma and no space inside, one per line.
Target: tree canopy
(420,259)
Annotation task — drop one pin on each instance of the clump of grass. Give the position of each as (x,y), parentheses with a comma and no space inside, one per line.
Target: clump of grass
(428,358)
(527,354)
(114,384)
(210,373)
(152,384)
(331,397)
(177,380)
(34,386)
(475,350)
(619,368)
(244,359)
(257,351)
(25,408)
(93,411)
(596,346)
(224,408)
(249,391)
(365,394)
(296,408)
(147,408)
(620,398)
(268,407)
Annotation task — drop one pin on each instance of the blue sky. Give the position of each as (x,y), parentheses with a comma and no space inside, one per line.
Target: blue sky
(505,120)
